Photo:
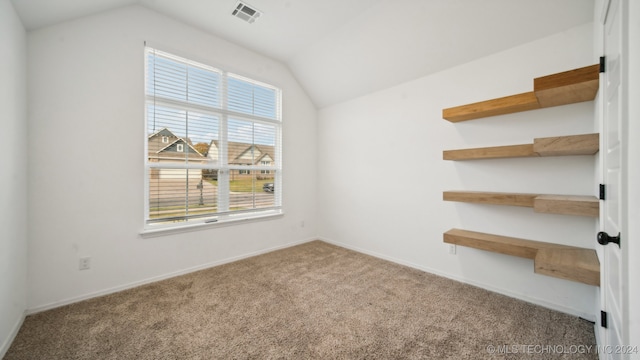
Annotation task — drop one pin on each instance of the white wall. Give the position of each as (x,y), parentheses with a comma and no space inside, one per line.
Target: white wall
(13,176)
(86,170)
(381,173)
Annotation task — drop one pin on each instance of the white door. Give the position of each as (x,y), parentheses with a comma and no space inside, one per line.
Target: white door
(612,276)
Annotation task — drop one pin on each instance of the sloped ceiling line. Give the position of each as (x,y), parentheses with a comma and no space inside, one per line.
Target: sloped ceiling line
(342,49)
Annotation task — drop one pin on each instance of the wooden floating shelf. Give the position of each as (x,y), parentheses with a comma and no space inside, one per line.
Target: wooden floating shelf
(501,106)
(561,261)
(563,88)
(551,204)
(588,144)
(494,152)
(493,198)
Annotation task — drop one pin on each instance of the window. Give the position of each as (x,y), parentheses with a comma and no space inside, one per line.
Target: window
(265,163)
(208,135)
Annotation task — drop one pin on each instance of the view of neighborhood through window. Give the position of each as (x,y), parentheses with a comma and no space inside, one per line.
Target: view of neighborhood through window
(213,142)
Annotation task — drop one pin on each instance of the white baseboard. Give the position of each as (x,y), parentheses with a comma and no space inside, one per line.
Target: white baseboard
(506,292)
(134,284)
(4,347)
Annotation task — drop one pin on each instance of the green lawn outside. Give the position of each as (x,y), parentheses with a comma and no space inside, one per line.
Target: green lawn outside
(155,213)
(244,185)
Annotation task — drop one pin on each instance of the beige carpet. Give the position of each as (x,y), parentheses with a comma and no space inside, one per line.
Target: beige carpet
(313,301)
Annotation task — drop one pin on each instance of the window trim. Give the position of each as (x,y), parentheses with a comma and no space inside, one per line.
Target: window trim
(170,229)
(222,218)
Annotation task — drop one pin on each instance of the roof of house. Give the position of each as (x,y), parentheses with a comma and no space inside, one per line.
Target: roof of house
(158,148)
(236,150)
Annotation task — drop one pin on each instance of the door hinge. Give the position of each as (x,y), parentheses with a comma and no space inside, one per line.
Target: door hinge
(603,319)
(602,192)
(602,61)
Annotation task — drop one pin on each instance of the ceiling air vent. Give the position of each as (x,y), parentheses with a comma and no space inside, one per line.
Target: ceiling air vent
(246,12)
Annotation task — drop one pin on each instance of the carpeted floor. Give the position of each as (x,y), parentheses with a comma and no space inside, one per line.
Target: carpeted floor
(312,301)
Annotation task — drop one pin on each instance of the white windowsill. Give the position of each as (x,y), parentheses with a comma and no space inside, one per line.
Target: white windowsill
(162,230)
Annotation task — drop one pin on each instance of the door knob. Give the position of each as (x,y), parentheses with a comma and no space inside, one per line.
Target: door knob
(604,238)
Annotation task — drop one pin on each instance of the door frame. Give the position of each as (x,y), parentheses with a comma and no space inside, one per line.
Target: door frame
(630,189)
(631,163)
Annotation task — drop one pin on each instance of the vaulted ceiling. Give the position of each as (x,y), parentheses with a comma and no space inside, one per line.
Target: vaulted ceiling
(342,49)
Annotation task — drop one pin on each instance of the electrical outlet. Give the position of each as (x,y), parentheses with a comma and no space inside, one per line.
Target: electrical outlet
(84,263)
(452,249)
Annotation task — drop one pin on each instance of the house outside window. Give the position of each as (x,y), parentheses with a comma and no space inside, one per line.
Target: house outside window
(213,140)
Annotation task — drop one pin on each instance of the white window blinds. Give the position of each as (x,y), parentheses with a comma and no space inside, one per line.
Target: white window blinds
(213,143)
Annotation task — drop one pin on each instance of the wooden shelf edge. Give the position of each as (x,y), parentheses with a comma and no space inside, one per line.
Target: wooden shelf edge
(562,88)
(551,204)
(578,264)
(496,243)
(567,205)
(556,260)
(500,106)
(568,87)
(586,144)
(493,152)
(493,198)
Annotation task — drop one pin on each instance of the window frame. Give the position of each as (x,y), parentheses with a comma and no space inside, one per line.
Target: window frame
(223,114)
